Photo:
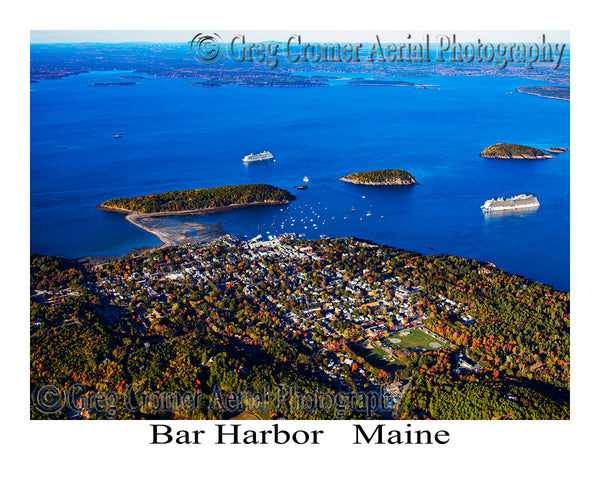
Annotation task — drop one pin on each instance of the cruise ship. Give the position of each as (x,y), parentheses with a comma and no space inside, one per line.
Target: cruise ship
(257,157)
(518,201)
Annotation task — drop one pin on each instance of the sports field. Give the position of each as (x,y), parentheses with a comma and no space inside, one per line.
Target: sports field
(415,339)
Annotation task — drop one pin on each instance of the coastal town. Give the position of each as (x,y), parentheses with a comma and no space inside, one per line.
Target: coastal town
(364,328)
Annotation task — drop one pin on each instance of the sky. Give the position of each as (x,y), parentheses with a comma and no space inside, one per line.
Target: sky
(364,36)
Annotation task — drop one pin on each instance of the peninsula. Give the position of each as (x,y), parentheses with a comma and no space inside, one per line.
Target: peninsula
(548,91)
(380,177)
(510,150)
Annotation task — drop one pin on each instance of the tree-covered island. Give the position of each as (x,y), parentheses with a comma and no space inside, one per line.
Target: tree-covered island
(380,177)
(201,200)
(112,84)
(511,150)
(381,82)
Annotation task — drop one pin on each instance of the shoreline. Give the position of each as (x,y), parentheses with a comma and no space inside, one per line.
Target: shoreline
(102,259)
(516,157)
(165,240)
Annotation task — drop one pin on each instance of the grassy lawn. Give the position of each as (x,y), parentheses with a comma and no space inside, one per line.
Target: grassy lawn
(378,357)
(415,338)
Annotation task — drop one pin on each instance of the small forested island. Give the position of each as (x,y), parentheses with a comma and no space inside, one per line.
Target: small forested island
(208,83)
(548,91)
(557,149)
(381,83)
(510,150)
(257,80)
(203,199)
(380,177)
(112,84)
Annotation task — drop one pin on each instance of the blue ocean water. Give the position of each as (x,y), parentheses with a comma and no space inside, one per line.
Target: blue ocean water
(177,136)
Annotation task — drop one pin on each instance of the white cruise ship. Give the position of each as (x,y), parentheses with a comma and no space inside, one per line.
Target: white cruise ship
(518,201)
(257,157)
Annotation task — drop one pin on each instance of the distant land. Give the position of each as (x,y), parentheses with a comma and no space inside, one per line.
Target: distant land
(548,91)
(380,177)
(510,150)
(204,200)
(175,61)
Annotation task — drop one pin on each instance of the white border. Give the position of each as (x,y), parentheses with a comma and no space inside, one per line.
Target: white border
(485,449)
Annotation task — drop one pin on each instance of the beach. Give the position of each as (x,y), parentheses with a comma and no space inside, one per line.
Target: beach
(171,232)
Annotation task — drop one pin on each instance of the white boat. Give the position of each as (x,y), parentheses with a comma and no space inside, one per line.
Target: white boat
(518,201)
(258,157)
